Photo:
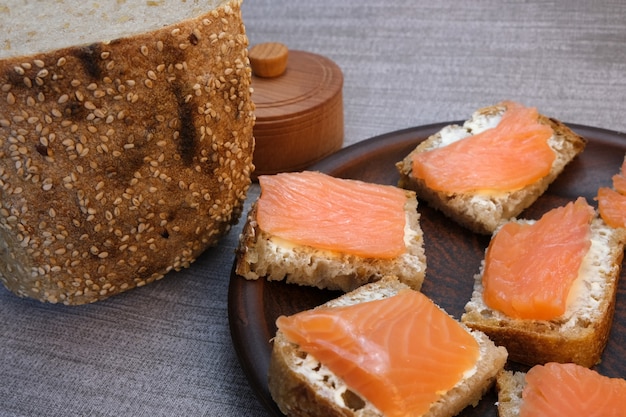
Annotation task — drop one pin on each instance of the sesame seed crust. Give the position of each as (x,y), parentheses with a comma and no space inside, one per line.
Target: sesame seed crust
(123,160)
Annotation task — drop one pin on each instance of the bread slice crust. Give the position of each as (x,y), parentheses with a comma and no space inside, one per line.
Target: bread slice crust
(123,159)
(301,386)
(260,254)
(582,333)
(509,386)
(483,213)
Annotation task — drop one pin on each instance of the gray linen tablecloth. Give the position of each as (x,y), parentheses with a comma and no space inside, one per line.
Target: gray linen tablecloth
(165,349)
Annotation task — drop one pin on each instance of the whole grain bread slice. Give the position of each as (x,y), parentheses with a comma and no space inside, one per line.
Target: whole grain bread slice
(482,212)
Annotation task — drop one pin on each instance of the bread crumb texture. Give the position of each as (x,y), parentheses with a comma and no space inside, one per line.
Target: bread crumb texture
(122,160)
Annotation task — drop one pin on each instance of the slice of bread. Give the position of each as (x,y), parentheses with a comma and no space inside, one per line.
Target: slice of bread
(481,212)
(126,141)
(509,386)
(580,335)
(302,386)
(260,254)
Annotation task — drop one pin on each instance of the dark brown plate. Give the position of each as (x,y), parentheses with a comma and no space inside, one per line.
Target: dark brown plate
(453,254)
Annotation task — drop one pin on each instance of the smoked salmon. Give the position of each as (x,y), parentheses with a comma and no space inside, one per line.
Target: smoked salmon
(612,202)
(619,180)
(347,216)
(529,268)
(556,390)
(507,157)
(401,353)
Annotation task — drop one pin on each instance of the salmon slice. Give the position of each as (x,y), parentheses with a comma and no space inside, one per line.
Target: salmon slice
(507,157)
(612,207)
(400,353)
(571,390)
(530,268)
(347,216)
(612,202)
(619,180)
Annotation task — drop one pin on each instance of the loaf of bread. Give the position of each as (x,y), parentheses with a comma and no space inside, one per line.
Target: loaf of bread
(263,255)
(579,335)
(302,386)
(125,141)
(478,211)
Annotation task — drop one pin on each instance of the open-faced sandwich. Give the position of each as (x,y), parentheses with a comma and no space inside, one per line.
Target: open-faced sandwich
(381,350)
(492,167)
(558,390)
(546,289)
(312,229)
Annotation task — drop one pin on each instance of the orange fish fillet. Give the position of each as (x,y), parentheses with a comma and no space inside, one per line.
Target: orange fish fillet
(507,157)
(612,202)
(530,268)
(347,216)
(400,353)
(557,390)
